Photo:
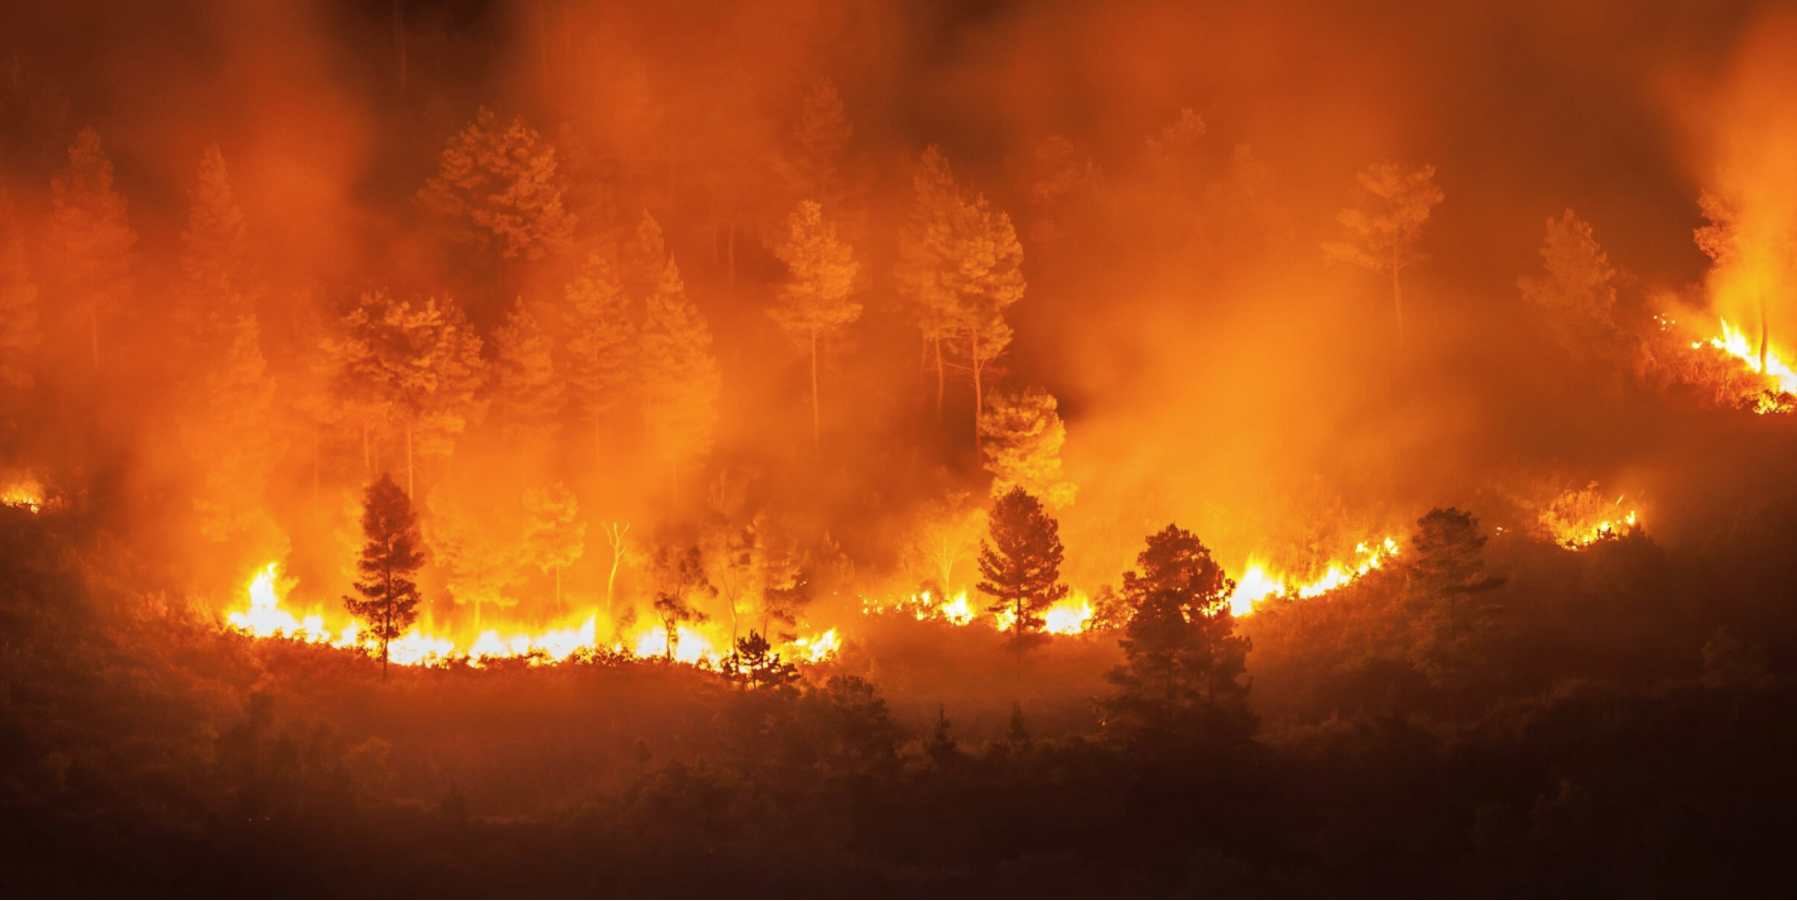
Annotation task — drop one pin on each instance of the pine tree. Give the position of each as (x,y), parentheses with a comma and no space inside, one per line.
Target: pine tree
(599,345)
(1182,680)
(19,331)
(415,367)
(1382,232)
(228,427)
(1578,294)
(91,237)
(554,536)
(530,394)
(218,276)
(820,165)
(922,270)
(814,303)
(754,666)
(386,600)
(498,189)
(986,277)
(680,377)
(1452,617)
(478,551)
(1024,435)
(1021,564)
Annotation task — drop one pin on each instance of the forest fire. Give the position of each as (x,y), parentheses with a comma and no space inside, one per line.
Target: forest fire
(1780,378)
(897,447)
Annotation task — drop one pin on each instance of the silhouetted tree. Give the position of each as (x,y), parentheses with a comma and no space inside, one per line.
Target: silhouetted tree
(1182,679)
(1382,231)
(679,572)
(386,600)
(1021,564)
(1454,622)
(754,665)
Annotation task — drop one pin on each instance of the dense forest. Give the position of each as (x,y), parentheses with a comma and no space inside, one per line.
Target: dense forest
(848,448)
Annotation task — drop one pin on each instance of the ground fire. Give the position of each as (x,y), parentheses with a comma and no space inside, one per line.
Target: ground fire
(859,448)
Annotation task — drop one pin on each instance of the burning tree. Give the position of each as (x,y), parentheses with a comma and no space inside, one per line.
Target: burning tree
(91,236)
(1024,435)
(814,303)
(1752,251)
(387,595)
(1021,564)
(924,248)
(1182,679)
(1382,232)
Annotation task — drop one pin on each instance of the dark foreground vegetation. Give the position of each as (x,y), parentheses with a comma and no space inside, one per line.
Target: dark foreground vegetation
(145,751)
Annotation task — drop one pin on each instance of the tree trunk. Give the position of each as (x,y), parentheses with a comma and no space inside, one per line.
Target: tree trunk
(1397,296)
(367,457)
(611,581)
(817,441)
(1762,300)
(409,484)
(543,39)
(941,379)
(979,397)
(399,41)
(315,440)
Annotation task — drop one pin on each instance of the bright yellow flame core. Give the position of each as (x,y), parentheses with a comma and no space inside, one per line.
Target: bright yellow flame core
(1257,582)
(1738,345)
(266,617)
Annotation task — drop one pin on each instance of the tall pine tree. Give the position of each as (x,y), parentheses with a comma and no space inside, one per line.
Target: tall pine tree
(681,380)
(814,304)
(91,238)
(386,598)
(1020,564)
